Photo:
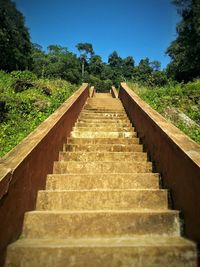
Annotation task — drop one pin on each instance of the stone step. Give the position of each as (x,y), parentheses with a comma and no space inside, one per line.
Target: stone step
(103,124)
(100,128)
(103,95)
(107,102)
(125,141)
(102,199)
(136,251)
(102,110)
(102,181)
(103,147)
(103,134)
(103,156)
(98,111)
(82,224)
(102,167)
(104,120)
(103,115)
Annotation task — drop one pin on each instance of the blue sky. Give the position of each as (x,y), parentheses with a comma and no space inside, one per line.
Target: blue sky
(140,28)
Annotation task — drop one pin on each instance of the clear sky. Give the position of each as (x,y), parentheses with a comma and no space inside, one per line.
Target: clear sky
(139,28)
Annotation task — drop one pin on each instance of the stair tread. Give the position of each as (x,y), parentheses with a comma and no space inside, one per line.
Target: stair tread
(104,140)
(106,145)
(106,190)
(103,174)
(131,211)
(136,241)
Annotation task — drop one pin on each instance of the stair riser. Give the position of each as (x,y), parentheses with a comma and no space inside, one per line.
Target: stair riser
(98,134)
(93,110)
(99,112)
(96,256)
(103,116)
(103,148)
(68,225)
(102,200)
(125,141)
(103,129)
(102,181)
(107,156)
(106,120)
(104,125)
(101,167)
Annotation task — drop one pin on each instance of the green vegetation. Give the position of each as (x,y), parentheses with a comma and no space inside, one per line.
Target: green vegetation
(25,102)
(34,82)
(185,50)
(178,103)
(15,48)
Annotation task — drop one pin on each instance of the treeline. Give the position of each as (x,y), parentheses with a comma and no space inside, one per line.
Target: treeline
(18,53)
(89,67)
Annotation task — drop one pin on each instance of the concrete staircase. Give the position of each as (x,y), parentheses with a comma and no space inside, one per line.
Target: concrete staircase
(102,205)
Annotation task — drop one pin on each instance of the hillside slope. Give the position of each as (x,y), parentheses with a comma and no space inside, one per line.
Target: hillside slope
(25,102)
(180,104)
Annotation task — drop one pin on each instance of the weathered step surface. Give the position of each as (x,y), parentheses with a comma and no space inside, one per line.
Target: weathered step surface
(102,134)
(102,167)
(102,199)
(100,124)
(89,111)
(107,128)
(104,120)
(140,251)
(103,156)
(103,116)
(102,181)
(65,224)
(90,141)
(103,147)
(85,110)
(103,95)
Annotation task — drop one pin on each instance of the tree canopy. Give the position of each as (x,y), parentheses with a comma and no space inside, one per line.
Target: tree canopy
(185,50)
(15,45)
(18,53)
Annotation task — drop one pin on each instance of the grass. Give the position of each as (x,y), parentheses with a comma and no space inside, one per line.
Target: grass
(184,98)
(26,109)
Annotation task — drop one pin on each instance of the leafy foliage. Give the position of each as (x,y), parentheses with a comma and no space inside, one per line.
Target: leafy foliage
(15,48)
(185,50)
(25,110)
(184,98)
(57,63)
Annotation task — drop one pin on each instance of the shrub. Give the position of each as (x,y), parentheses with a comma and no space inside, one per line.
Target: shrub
(185,98)
(22,111)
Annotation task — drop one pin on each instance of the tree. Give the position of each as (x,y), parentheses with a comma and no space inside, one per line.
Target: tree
(40,60)
(114,60)
(84,49)
(143,71)
(96,65)
(185,50)
(57,62)
(128,67)
(155,65)
(15,48)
